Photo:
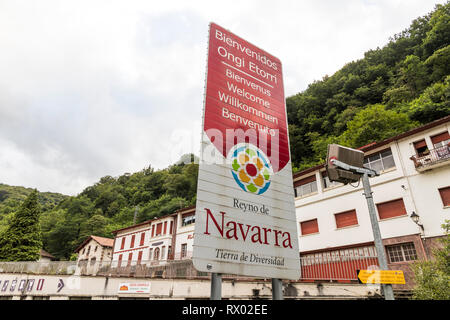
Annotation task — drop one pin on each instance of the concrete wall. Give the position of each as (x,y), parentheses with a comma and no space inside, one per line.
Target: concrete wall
(105,288)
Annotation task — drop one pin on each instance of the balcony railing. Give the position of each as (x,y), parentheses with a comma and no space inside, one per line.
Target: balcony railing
(435,156)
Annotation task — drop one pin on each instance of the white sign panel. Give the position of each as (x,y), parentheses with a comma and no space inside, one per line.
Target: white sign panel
(138,287)
(245,214)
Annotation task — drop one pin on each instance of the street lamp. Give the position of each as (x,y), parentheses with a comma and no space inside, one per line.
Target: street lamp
(415,217)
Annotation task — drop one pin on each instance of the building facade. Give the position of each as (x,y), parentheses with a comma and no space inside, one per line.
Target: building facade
(94,251)
(414,181)
(156,241)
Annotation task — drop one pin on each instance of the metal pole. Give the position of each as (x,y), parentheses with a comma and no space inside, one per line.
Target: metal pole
(216,286)
(387,288)
(277,289)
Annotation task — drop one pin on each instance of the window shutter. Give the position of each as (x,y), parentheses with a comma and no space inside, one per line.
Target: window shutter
(142,239)
(420,144)
(165,227)
(391,209)
(132,241)
(440,137)
(345,219)
(171,227)
(123,243)
(158,228)
(140,256)
(305,181)
(445,195)
(308,227)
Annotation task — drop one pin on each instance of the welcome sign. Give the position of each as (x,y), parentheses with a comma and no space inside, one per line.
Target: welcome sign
(245,215)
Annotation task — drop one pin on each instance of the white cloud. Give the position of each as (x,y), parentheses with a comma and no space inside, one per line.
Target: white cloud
(94,88)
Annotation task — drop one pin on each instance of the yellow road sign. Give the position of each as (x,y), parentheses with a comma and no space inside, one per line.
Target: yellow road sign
(381,276)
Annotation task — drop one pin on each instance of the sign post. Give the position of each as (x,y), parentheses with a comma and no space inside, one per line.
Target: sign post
(245,213)
(387,288)
(216,286)
(346,165)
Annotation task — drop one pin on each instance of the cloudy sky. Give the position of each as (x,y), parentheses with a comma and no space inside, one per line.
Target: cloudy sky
(95,88)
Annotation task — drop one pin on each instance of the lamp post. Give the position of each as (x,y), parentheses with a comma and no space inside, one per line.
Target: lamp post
(415,217)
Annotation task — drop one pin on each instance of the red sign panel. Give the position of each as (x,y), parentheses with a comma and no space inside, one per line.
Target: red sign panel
(245,91)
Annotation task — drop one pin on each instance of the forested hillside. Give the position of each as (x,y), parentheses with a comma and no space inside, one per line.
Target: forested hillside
(112,202)
(11,198)
(392,89)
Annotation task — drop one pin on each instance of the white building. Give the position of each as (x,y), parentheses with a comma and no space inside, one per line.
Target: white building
(414,180)
(94,251)
(151,242)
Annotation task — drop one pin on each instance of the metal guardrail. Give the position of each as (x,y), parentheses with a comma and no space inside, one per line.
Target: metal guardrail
(322,267)
(434,156)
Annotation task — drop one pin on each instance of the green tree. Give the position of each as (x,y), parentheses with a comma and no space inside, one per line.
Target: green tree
(375,123)
(432,104)
(22,240)
(432,278)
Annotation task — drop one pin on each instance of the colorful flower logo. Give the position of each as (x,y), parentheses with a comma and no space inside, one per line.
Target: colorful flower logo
(251,168)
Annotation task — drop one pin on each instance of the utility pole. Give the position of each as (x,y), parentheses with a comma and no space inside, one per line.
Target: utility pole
(135,214)
(387,288)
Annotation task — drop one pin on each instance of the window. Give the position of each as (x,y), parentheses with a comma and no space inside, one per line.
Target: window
(139,257)
(421,148)
(305,186)
(390,209)
(153,231)
(440,140)
(130,257)
(89,250)
(83,251)
(165,227)
(402,252)
(309,227)
(171,227)
(142,239)
(132,241)
(326,181)
(183,250)
(169,252)
(445,196)
(345,219)
(159,229)
(150,252)
(120,258)
(95,250)
(163,252)
(187,219)
(156,254)
(123,243)
(380,161)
